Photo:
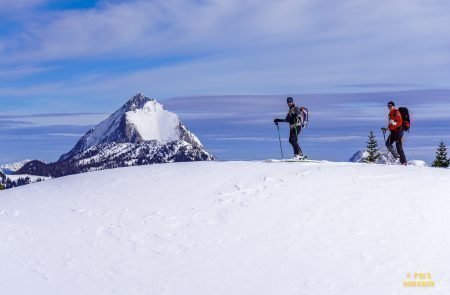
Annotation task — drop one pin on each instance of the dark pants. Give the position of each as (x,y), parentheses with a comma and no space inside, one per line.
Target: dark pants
(396,136)
(293,139)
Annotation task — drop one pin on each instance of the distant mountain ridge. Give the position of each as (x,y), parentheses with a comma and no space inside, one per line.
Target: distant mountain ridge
(13,167)
(140,132)
(384,158)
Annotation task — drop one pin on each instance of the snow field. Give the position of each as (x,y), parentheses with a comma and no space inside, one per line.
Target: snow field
(228,228)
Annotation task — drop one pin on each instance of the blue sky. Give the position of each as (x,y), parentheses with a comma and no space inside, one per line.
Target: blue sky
(64,65)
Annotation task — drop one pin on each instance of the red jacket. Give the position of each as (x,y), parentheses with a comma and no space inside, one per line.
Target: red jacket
(396,117)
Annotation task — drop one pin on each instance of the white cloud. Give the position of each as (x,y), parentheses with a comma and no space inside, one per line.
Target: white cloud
(246,46)
(428,111)
(15,5)
(60,119)
(304,138)
(207,116)
(246,138)
(15,72)
(154,27)
(334,138)
(66,134)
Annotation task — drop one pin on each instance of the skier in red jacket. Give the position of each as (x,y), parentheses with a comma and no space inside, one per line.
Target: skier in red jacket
(396,129)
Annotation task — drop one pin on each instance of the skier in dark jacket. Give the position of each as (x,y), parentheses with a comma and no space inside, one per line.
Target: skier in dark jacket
(295,120)
(396,129)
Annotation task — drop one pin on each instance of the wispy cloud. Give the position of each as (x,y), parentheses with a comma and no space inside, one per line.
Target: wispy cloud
(381,85)
(8,6)
(81,119)
(66,134)
(424,152)
(14,73)
(13,123)
(245,138)
(207,115)
(335,138)
(304,138)
(234,47)
(51,115)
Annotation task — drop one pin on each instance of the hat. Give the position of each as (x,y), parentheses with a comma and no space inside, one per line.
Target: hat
(392,103)
(289,99)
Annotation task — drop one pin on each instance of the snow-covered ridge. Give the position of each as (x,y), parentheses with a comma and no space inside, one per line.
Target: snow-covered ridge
(13,167)
(384,158)
(196,228)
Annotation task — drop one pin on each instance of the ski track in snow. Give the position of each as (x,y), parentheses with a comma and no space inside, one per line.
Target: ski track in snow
(228,228)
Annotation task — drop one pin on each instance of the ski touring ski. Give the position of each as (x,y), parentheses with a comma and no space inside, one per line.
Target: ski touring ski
(292,161)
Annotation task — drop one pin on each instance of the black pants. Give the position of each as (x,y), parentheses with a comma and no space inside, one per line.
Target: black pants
(396,136)
(293,140)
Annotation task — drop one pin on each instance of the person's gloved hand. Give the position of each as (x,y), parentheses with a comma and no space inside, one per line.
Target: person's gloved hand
(384,129)
(392,122)
(276,121)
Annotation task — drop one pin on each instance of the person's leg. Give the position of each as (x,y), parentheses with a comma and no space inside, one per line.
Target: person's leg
(299,130)
(293,140)
(389,144)
(399,146)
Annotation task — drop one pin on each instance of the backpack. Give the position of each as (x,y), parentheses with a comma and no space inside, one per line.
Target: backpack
(304,116)
(405,118)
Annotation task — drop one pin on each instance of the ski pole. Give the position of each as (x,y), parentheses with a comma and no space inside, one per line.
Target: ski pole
(279,139)
(384,136)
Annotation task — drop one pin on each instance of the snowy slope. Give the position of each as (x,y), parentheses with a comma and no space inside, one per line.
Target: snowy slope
(152,122)
(228,228)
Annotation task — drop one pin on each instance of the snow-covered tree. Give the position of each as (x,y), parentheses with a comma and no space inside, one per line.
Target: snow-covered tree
(372,150)
(2,180)
(441,156)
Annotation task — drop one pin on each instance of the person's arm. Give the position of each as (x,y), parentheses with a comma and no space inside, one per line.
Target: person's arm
(276,121)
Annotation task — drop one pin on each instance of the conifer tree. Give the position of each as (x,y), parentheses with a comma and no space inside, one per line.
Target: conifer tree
(441,157)
(2,180)
(372,149)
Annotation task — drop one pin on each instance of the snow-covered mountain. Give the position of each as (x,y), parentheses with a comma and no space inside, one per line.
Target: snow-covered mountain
(196,228)
(9,177)
(385,158)
(140,132)
(140,119)
(13,167)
